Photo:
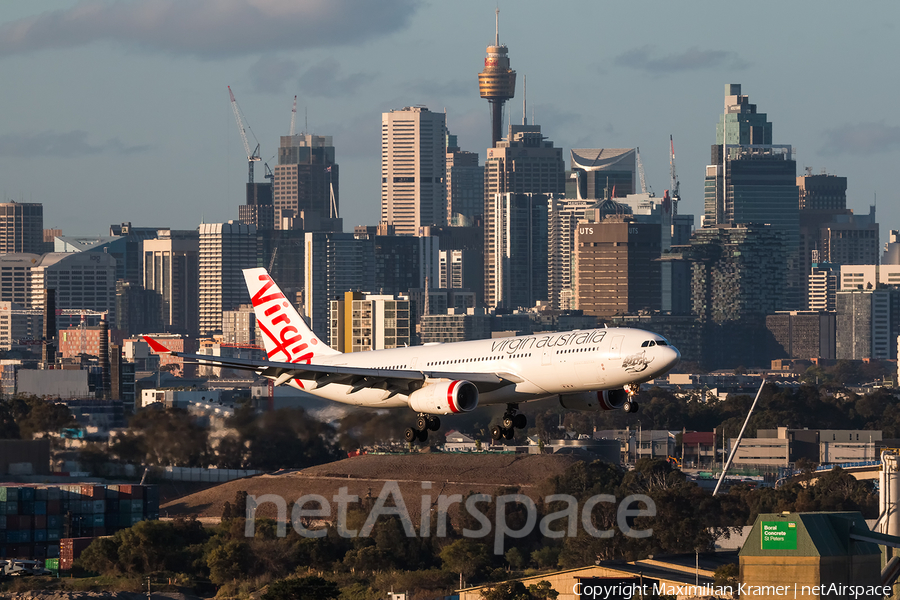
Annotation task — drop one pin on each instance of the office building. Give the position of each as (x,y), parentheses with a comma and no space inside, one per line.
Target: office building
(616,266)
(172,270)
(281,251)
(403,263)
(130,263)
(336,263)
(521,170)
(21,228)
(413,168)
(361,322)
(891,254)
(599,173)
(517,257)
(305,180)
(83,281)
(137,310)
(752,181)
(225,250)
(802,334)
(259,209)
(465,185)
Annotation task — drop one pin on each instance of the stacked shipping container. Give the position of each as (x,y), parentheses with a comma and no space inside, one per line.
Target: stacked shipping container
(34,519)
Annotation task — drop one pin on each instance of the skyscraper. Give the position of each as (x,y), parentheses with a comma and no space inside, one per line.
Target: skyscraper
(413,167)
(172,270)
(518,256)
(752,181)
(225,250)
(465,185)
(497,83)
(21,227)
(523,163)
(604,172)
(306,179)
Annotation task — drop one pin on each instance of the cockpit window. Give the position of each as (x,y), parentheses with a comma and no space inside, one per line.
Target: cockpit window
(662,343)
(648,343)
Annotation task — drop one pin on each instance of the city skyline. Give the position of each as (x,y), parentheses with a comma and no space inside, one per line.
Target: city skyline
(121,109)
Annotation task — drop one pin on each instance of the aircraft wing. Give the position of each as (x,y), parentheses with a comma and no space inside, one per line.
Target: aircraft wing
(393,380)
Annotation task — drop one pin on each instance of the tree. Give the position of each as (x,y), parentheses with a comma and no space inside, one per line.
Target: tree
(466,557)
(516,590)
(308,588)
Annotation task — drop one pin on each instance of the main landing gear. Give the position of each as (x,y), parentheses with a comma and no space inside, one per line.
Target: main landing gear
(424,423)
(512,420)
(631,405)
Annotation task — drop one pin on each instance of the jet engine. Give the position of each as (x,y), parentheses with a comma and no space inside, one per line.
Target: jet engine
(594,401)
(445,398)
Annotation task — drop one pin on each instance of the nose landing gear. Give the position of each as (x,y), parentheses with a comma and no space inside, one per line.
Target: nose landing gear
(512,420)
(631,405)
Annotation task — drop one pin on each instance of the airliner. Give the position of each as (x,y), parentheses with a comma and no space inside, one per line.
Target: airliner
(592,369)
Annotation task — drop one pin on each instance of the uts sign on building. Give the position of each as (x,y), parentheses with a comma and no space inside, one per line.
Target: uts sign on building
(616,267)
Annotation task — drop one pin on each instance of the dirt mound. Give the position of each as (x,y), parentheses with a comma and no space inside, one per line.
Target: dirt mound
(365,476)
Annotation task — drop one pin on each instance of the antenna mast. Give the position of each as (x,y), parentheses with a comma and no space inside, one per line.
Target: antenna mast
(293,116)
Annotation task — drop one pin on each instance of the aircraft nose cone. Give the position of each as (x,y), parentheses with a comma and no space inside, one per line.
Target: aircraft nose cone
(674,357)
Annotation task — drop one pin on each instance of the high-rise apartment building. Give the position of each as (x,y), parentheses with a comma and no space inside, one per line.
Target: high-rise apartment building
(259,209)
(868,322)
(225,250)
(413,168)
(822,287)
(21,228)
(172,270)
(563,218)
(465,185)
(306,179)
(523,163)
(361,322)
(617,271)
(403,263)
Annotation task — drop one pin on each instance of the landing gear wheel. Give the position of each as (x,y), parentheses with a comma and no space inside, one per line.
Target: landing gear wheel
(423,436)
(496,433)
(411,435)
(520,421)
(508,421)
(422,423)
(628,406)
(634,407)
(434,423)
(509,433)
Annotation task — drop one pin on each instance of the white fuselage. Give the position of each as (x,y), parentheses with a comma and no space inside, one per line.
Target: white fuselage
(541,365)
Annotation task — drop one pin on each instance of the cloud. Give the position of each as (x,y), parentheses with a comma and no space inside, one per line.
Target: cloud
(861,139)
(691,59)
(72,144)
(443,89)
(324,80)
(269,74)
(208,28)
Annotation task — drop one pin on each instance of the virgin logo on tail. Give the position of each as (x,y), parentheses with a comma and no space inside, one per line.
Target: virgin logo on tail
(275,323)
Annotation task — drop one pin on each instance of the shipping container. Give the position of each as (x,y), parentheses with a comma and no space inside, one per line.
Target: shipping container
(9,494)
(52,549)
(54,521)
(26,494)
(98,506)
(26,507)
(51,564)
(53,493)
(40,507)
(40,493)
(54,507)
(54,535)
(11,507)
(40,535)
(40,521)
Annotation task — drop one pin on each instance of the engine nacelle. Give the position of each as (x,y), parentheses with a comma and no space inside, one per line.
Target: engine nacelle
(445,398)
(594,401)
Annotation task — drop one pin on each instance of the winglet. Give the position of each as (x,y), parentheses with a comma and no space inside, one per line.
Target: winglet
(156,346)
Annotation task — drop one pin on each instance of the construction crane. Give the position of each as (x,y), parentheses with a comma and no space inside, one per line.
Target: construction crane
(640,166)
(252,157)
(675,184)
(293,116)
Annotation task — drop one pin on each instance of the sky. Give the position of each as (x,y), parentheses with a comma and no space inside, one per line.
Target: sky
(118,110)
